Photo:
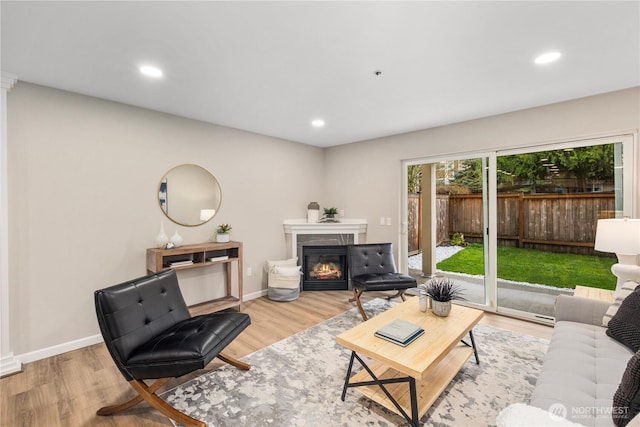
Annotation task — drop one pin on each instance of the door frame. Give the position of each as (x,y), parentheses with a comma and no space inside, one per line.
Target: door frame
(490,239)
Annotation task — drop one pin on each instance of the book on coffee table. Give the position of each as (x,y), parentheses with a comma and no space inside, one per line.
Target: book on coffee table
(400,332)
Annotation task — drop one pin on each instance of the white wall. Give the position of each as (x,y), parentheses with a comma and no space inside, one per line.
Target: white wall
(83,208)
(366,177)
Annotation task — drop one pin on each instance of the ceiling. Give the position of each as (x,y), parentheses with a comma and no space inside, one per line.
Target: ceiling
(273,67)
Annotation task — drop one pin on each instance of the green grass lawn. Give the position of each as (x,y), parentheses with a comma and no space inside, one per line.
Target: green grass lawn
(532,266)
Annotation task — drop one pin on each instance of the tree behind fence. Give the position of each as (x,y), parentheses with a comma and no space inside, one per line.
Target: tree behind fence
(550,222)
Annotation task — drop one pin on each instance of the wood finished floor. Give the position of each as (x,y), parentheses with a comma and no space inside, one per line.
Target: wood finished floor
(68,389)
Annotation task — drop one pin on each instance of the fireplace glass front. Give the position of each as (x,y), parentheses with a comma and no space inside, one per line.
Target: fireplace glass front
(324,268)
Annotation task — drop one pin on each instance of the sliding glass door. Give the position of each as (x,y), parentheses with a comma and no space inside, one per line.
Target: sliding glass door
(515,229)
(548,203)
(447,223)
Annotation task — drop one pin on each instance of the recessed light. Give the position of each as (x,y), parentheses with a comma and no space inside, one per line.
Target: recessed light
(547,58)
(151,71)
(317,123)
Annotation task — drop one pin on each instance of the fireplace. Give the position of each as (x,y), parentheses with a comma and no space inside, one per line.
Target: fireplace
(324,268)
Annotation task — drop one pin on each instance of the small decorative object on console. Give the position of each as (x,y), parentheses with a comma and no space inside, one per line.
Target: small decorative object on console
(161,238)
(223,233)
(176,239)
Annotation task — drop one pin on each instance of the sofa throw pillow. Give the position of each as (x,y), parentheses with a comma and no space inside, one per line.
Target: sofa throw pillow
(624,326)
(618,296)
(626,400)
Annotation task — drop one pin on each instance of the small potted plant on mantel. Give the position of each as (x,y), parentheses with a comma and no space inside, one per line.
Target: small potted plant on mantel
(223,233)
(442,291)
(330,215)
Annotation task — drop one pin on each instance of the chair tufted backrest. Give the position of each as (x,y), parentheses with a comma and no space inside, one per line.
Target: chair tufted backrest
(134,312)
(371,258)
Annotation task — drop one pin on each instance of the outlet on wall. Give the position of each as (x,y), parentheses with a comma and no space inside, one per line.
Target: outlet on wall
(249,271)
(388,221)
(382,220)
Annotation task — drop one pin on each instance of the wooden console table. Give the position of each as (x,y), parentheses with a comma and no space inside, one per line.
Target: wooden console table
(202,255)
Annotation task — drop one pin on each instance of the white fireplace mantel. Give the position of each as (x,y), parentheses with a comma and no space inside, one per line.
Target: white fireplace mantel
(345,226)
(349,226)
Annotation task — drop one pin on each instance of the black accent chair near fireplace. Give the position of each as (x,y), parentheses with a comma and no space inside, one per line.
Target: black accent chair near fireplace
(372,268)
(150,334)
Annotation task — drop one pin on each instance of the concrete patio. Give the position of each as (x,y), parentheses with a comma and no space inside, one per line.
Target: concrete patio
(528,297)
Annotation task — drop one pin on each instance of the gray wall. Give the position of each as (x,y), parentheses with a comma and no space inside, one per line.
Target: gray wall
(83,179)
(83,175)
(367,176)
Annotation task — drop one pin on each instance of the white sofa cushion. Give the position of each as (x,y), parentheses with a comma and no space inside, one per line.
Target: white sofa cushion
(521,415)
(581,371)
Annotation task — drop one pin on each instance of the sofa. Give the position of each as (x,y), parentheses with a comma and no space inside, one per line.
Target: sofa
(582,371)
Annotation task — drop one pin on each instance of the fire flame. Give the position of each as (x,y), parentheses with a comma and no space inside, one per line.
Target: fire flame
(325,271)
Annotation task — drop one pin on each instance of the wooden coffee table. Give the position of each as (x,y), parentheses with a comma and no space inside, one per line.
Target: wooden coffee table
(428,364)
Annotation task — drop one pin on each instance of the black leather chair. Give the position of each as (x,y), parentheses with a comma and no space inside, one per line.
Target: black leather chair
(372,268)
(150,334)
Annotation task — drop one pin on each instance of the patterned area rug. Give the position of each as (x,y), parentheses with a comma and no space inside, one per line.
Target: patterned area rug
(298,382)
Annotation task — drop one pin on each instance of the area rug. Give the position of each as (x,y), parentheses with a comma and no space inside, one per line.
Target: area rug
(298,382)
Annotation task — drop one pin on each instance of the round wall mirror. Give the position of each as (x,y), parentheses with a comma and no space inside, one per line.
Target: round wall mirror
(189,195)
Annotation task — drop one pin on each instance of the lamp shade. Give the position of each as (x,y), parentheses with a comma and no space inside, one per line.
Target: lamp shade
(619,235)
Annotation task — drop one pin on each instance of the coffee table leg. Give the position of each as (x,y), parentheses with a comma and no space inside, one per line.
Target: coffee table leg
(414,401)
(346,380)
(380,383)
(475,350)
(472,345)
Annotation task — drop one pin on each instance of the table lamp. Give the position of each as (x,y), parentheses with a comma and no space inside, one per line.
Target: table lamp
(622,237)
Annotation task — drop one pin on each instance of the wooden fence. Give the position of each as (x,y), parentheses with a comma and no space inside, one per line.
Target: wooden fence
(550,222)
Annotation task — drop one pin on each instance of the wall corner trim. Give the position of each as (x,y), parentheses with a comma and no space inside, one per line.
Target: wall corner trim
(9,364)
(8,80)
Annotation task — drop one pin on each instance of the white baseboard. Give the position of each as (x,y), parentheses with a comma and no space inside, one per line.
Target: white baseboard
(76,344)
(255,295)
(9,364)
(60,348)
